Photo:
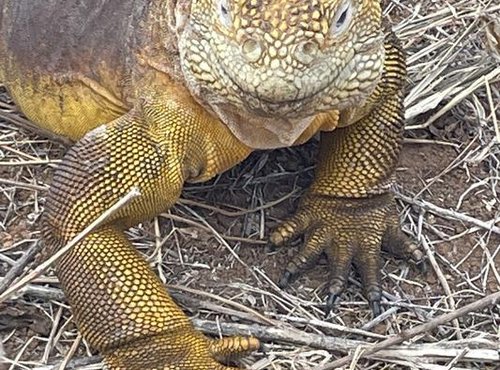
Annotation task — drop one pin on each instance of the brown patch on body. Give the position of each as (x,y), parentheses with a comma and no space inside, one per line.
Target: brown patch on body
(66,69)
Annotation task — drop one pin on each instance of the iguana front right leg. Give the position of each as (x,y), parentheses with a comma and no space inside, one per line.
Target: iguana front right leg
(348,213)
(120,306)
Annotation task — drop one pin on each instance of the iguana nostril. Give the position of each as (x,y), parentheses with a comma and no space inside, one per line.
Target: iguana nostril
(252,50)
(306,52)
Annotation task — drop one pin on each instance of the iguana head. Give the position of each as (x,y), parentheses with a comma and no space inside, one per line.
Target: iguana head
(282,58)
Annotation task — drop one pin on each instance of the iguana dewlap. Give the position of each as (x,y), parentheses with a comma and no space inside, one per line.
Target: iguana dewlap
(161,92)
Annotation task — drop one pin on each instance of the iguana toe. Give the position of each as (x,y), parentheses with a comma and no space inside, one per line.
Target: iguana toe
(399,245)
(233,348)
(290,229)
(306,258)
(374,303)
(336,288)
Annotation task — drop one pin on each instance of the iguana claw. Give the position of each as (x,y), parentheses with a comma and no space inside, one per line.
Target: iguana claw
(422,267)
(286,279)
(330,302)
(374,297)
(335,291)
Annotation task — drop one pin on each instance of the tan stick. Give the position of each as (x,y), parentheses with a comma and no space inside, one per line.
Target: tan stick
(133,193)
(446,213)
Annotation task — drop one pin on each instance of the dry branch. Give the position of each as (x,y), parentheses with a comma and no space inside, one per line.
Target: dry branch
(489,301)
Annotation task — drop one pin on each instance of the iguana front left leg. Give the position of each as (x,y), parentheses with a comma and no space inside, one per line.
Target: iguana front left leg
(348,212)
(120,305)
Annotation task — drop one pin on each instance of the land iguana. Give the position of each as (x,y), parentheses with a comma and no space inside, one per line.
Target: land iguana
(162,92)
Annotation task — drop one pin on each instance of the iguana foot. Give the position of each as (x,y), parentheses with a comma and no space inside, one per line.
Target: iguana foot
(347,231)
(187,350)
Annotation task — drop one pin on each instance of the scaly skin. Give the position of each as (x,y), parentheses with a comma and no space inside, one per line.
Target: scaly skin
(158,93)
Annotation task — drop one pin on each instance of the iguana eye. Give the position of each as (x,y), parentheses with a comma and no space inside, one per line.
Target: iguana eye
(342,19)
(225,13)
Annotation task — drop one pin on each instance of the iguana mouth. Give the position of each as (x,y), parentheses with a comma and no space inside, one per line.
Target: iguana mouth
(301,105)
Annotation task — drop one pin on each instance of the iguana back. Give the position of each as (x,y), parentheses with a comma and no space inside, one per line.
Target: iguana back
(58,53)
